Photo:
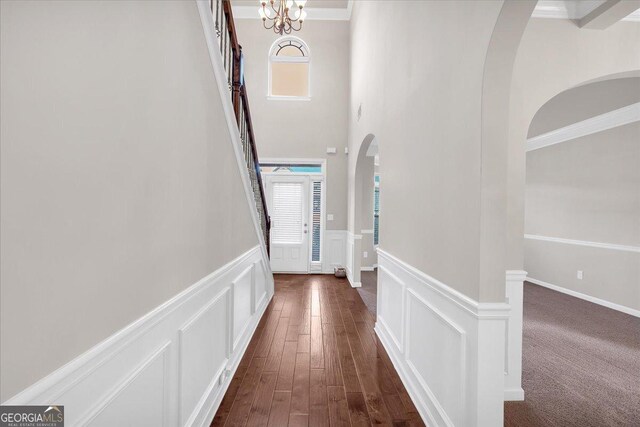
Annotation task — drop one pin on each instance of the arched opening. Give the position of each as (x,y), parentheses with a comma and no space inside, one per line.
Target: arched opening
(581,234)
(361,236)
(367,219)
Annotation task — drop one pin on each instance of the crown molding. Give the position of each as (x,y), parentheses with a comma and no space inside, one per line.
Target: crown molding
(572,10)
(313,14)
(612,119)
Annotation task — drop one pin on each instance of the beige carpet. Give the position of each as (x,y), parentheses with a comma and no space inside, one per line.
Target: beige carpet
(581,364)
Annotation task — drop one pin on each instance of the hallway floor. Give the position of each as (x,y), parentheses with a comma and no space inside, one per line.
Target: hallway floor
(315,360)
(581,364)
(369,290)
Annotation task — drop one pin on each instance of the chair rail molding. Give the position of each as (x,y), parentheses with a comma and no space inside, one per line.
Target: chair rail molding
(612,246)
(609,120)
(177,361)
(448,349)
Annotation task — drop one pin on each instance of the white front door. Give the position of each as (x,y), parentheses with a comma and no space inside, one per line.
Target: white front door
(288,203)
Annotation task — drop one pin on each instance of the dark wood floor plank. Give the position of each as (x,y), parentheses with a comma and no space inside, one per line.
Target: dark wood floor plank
(305,322)
(269,332)
(347,365)
(315,302)
(244,399)
(300,395)
(332,368)
(304,344)
(338,408)
(299,420)
(277,345)
(315,360)
(366,369)
(317,353)
(279,414)
(358,410)
(259,414)
(292,330)
(285,374)
(318,407)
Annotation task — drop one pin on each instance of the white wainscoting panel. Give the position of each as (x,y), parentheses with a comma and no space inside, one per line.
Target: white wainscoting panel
(243,301)
(204,351)
(513,336)
(354,244)
(391,309)
(148,380)
(172,366)
(448,349)
(335,247)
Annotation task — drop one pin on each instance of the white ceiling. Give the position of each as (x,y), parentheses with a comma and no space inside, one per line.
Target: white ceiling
(340,10)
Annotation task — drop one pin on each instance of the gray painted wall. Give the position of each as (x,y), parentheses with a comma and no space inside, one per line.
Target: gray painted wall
(119,186)
(587,189)
(304,129)
(414,87)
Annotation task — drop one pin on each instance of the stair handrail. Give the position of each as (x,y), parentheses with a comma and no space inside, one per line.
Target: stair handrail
(233,62)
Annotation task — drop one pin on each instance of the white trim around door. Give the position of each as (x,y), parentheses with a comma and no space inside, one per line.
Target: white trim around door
(317,266)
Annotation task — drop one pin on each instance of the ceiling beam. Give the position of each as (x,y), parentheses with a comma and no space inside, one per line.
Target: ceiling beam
(608,13)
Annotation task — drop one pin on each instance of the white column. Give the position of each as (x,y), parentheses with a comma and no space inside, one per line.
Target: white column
(513,336)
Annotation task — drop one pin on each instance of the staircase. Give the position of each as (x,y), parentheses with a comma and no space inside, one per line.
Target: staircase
(233,61)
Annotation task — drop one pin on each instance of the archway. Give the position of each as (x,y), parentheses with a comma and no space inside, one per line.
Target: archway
(582,185)
(361,236)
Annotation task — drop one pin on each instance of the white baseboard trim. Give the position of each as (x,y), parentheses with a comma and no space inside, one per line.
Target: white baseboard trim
(608,304)
(367,268)
(514,395)
(157,360)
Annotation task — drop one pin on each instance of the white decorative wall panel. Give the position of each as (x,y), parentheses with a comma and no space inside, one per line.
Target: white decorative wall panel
(436,355)
(448,349)
(140,400)
(391,298)
(204,348)
(243,300)
(172,366)
(335,242)
(261,284)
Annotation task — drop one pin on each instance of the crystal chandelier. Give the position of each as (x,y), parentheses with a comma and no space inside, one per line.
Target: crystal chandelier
(281,21)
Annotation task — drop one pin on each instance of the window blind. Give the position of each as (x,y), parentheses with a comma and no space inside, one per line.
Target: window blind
(287,214)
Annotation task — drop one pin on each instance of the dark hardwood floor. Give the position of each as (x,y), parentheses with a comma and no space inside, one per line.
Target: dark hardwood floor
(315,360)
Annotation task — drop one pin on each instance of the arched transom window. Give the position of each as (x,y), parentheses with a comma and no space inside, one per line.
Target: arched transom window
(289,68)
